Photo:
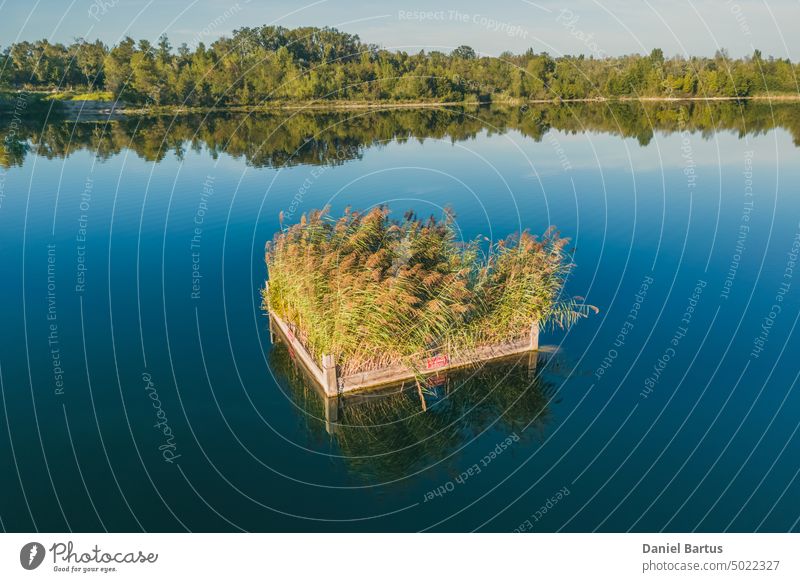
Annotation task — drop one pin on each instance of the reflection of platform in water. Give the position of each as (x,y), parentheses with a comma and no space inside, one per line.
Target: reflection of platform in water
(326,374)
(510,386)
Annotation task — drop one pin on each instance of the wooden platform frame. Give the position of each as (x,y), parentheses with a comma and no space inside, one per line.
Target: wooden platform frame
(325,373)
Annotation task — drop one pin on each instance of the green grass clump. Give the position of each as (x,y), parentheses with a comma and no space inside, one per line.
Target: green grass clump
(93,96)
(376,292)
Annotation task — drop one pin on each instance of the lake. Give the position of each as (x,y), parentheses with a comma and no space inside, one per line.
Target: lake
(141,392)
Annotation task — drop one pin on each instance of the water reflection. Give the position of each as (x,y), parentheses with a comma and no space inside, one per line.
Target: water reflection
(390,433)
(291,138)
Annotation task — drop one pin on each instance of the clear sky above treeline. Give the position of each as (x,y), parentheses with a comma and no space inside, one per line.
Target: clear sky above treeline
(599,28)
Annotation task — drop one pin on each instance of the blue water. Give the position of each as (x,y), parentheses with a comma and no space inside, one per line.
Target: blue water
(673,409)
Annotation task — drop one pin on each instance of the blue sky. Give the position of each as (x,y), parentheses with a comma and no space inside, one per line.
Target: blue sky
(607,27)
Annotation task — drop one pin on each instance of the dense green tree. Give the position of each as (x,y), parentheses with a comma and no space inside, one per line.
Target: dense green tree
(117,67)
(89,59)
(273,63)
(464,52)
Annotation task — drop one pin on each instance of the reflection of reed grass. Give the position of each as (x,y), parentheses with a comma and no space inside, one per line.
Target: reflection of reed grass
(384,436)
(388,438)
(375,292)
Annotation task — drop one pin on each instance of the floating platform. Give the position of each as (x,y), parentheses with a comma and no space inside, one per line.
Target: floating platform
(442,385)
(326,375)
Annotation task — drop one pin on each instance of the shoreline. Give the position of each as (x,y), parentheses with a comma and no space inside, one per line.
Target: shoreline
(386,105)
(110,108)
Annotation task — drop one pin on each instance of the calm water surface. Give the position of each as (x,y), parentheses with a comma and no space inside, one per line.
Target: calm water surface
(132,256)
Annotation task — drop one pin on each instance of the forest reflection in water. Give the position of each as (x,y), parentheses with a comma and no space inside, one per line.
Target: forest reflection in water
(332,137)
(391,433)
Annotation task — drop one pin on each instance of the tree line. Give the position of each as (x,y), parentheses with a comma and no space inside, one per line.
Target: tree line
(273,63)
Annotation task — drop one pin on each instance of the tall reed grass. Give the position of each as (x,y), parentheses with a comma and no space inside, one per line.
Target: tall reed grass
(376,292)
